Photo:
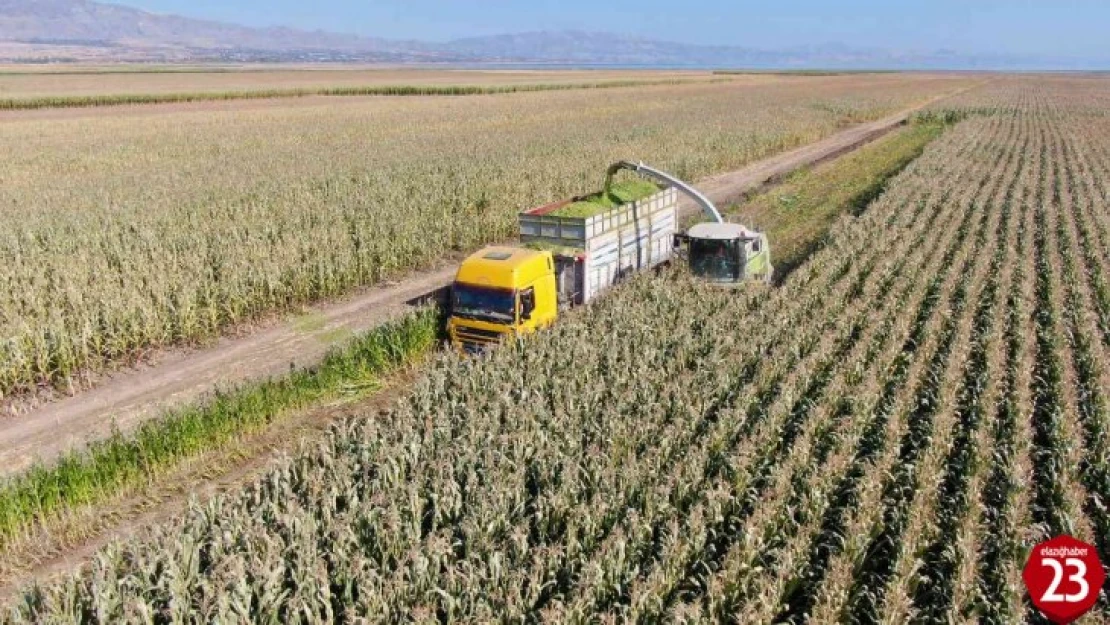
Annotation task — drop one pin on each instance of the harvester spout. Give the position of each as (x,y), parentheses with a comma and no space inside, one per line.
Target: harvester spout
(640,168)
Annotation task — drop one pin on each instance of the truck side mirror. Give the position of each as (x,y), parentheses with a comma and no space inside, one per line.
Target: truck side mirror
(527,304)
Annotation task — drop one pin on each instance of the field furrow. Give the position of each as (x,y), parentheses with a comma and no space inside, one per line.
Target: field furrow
(788,514)
(1053,508)
(774,540)
(928,571)
(1091,200)
(852,494)
(960,556)
(928,422)
(1018,524)
(1079,311)
(999,544)
(1068,341)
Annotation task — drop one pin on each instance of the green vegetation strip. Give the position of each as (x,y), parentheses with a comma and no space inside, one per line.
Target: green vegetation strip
(86,101)
(106,467)
(798,213)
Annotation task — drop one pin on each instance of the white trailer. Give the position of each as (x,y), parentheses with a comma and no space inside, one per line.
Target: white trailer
(594,253)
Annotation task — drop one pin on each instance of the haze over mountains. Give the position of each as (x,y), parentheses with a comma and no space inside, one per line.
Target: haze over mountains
(74,30)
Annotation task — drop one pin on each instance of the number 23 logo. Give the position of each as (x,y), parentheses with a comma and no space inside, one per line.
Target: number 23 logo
(1052,594)
(1064,576)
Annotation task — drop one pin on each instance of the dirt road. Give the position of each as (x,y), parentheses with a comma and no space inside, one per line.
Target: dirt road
(126,399)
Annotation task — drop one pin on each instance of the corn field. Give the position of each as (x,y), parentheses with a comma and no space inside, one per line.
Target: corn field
(129,230)
(880,439)
(31,83)
(122,99)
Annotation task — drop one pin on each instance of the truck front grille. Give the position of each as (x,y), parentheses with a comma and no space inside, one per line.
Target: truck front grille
(478,334)
(475,340)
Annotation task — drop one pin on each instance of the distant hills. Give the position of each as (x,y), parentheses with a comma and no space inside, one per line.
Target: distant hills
(609,49)
(107,30)
(82,30)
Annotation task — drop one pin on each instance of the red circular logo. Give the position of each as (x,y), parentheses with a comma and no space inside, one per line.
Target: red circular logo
(1064,577)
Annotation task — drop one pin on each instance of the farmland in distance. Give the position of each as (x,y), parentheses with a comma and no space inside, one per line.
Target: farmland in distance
(131,229)
(19,83)
(879,439)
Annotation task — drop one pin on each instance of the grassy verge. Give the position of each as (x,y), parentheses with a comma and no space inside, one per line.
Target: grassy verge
(86,101)
(797,214)
(106,467)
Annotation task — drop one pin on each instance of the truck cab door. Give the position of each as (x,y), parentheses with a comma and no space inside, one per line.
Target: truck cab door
(543,298)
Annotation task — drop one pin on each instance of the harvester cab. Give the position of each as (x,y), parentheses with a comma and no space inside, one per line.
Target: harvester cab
(719,252)
(727,254)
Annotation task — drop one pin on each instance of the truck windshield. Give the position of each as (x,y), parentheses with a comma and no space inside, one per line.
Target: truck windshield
(485,304)
(716,259)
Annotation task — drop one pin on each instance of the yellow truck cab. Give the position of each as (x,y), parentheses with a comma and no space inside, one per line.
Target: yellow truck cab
(501,291)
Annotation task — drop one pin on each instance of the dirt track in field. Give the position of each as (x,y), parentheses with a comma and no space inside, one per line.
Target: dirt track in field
(64,544)
(125,399)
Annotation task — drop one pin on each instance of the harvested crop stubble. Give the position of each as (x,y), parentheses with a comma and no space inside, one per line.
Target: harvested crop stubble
(117,236)
(747,461)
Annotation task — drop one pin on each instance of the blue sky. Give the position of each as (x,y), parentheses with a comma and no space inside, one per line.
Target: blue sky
(1068,28)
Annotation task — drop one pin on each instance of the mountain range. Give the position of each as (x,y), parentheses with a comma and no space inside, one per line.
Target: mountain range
(84,30)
